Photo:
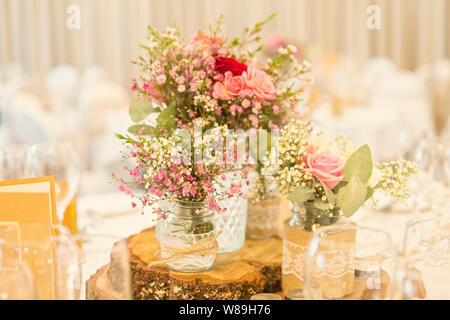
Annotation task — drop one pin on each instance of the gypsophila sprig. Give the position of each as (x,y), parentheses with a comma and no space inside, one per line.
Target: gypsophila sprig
(393,178)
(167,168)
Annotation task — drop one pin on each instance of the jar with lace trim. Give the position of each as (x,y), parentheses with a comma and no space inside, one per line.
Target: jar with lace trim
(297,233)
(187,236)
(263,216)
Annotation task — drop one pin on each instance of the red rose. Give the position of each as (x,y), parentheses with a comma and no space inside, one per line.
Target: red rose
(224,64)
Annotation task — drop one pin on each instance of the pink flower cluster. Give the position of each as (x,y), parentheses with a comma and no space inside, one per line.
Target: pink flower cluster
(172,179)
(252,83)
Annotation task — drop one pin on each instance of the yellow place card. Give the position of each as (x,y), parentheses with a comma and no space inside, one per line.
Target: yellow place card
(28,201)
(27,211)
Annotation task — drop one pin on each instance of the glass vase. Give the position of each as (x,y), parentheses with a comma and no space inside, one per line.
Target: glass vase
(296,236)
(232,224)
(187,223)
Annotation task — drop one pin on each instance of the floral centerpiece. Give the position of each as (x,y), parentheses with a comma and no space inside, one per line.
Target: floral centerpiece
(327,179)
(203,87)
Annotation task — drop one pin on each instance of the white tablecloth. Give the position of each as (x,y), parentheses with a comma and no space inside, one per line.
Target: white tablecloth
(119,219)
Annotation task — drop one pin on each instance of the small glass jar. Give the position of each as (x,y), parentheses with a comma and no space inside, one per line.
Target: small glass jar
(232,223)
(263,217)
(296,236)
(185,224)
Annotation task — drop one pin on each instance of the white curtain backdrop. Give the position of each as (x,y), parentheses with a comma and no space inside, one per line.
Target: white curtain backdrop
(34,32)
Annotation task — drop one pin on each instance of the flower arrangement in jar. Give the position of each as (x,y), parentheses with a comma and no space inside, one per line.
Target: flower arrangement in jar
(327,179)
(216,82)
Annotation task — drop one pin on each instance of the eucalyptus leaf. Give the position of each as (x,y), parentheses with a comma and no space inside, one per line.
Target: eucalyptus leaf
(319,204)
(165,118)
(301,194)
(359,165)
(370,192)
(140,109)
(141,129)
(351,196)
(331,197)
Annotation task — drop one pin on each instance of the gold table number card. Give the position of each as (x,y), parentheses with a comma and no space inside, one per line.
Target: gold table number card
(27,210)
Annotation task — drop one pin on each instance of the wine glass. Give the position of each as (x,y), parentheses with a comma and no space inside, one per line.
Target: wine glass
(13,162)
(350,262)
(423,153)
(49,252)
(105,267)
(425,261)
(60,160)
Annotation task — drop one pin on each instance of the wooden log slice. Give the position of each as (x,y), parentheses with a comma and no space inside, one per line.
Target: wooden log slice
(255,268)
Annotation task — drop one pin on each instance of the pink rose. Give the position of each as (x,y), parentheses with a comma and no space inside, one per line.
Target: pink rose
(327,167)
(220,92)
(234,85)
(260,83)
(231,86)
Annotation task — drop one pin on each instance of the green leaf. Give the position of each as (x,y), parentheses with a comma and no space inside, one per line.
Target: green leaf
(140,109)
(351,196)
(122,137)
(301,194)
(328,193)
(141,129)
(165,119)
(321,205)
(359,165)
(370,192)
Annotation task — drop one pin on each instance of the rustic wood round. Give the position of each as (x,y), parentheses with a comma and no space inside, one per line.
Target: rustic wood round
(255,268)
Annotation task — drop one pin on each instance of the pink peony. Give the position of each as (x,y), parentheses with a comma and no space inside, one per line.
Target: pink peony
(260,83)
(327,167)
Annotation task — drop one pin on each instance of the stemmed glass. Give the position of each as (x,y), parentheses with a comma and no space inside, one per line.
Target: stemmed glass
(426,258)
(48,253)
(13,162)
(60,160)
(350,262)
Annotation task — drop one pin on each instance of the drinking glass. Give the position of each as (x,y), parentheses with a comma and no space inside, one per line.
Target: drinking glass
(60,160)
(350,262)
(13,162)
(16,281)
(425,272)
(105,268)
(50,253)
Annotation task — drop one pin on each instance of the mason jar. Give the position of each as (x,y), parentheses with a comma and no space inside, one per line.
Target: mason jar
(297,233)
(185,224)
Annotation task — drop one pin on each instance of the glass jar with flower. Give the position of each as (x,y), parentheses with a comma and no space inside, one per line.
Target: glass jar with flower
(217,80)
(168,169)
(327,179)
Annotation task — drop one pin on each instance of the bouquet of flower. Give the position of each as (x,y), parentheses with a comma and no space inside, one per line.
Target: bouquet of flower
(208,79)
(326,174)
